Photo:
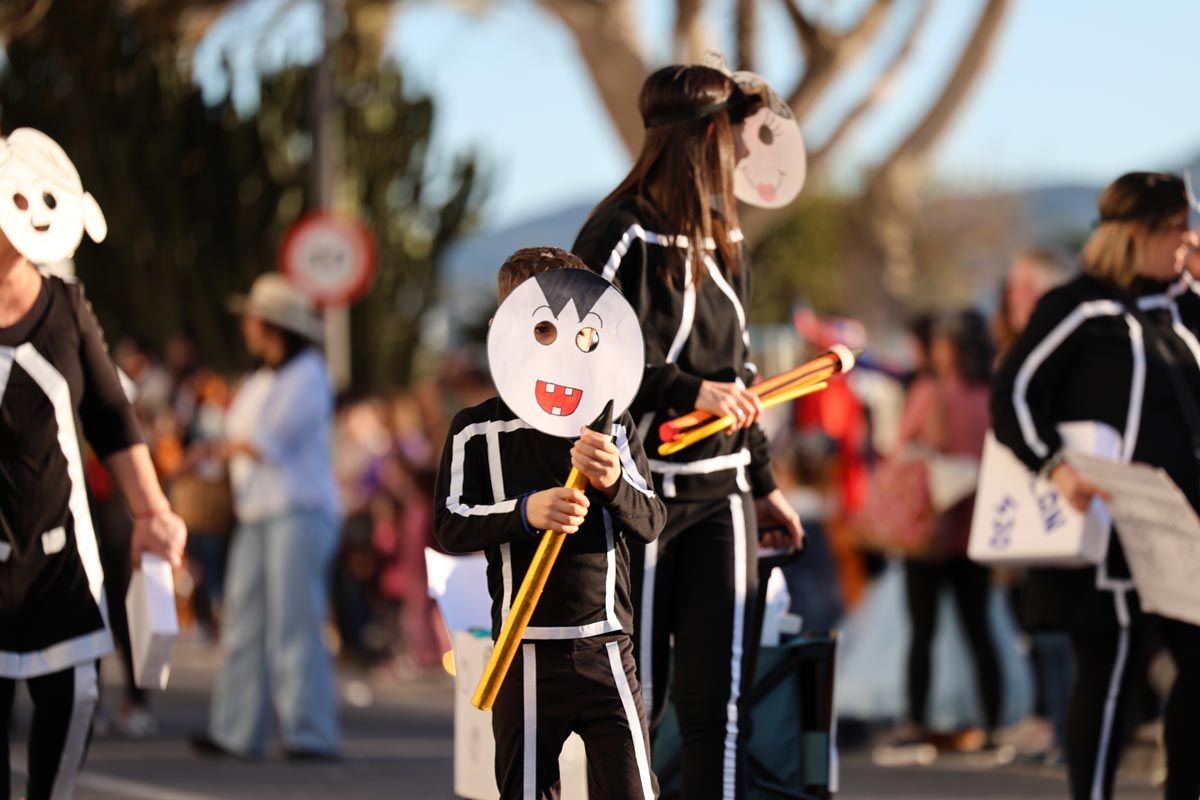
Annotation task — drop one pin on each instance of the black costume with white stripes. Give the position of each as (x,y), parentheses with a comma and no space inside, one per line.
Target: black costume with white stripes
(696,584)
(1085,357)
(575,671)
(56,383)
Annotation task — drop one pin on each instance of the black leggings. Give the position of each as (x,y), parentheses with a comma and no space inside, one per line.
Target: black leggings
(63,706)
(1109,665)
(696,586)
(923,583)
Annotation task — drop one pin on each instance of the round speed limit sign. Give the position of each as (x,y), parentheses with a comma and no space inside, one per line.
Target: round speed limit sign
(329,257)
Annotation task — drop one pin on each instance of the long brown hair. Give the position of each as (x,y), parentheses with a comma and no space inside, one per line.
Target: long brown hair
(690,161)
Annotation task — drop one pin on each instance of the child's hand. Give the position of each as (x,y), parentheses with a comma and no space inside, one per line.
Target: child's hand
(560,509)
(596,457)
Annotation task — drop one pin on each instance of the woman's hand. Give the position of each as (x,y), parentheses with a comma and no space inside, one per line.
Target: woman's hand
(560,509)
(775,510)
(597,458)
(729,400)
(161,533)
(1075,489)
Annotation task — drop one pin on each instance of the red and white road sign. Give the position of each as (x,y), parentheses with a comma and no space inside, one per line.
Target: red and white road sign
(329,257)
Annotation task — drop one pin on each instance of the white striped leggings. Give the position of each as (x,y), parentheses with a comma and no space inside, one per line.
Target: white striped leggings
(1109,663)
(64,704)
(696,588)
(586,686)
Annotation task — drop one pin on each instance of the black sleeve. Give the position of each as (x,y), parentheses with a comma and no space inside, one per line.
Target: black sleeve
(1026,384)
(609,240)
(762,479)
(109,422)
(467,517)
(636,507)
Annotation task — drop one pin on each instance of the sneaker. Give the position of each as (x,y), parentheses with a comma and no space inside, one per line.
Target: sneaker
(135,722)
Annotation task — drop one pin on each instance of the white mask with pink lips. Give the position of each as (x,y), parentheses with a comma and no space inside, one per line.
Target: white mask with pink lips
(772,173)
(562,345)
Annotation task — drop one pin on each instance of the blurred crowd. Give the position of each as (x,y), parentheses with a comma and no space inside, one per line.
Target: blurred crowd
(840,456)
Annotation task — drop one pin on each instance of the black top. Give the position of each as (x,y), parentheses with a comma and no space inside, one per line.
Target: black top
(1084,357)
(490,460)
(56,380)
(693,333)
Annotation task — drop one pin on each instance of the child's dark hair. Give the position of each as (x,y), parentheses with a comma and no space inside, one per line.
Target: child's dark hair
(530,261)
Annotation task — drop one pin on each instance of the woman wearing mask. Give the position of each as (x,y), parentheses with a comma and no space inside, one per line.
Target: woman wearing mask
(1114,346)
(668,238)
(58,386)
(277,586)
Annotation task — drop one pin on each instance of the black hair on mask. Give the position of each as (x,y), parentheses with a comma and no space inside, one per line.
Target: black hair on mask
(583,286)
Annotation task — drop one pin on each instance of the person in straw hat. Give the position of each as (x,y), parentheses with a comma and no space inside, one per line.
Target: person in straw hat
(277,593)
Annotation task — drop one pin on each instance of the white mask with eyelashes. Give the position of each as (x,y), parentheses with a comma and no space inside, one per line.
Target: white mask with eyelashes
(772,173)
(44,210)
(557,369)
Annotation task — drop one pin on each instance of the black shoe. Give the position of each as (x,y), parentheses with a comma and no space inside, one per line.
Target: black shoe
(204,745)
(305,756)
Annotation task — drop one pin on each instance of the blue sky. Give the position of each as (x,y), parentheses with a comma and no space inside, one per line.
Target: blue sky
(1077,90)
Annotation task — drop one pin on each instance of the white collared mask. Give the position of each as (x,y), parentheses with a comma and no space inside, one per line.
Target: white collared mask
(44,210)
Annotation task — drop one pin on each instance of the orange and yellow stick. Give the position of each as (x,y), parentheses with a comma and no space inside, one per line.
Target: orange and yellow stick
(824,366)
(690,437)
(513,628)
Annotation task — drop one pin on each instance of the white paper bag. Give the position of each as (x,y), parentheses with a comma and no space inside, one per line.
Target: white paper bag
(1021,519)
(153,625)
(474,746)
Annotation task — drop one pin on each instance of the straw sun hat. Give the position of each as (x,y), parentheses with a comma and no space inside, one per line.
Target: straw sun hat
(273,299)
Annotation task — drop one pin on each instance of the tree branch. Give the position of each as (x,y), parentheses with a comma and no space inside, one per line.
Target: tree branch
(879,89)
(746,22)
(827,53)
(607,39)
(690,41)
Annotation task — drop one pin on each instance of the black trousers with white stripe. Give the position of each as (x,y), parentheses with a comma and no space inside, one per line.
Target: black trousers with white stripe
(64,704)
(695,587)
(1109,664)
(585,686)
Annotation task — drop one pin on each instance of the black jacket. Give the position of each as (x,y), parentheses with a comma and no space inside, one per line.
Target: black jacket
(1085,357)
(490,460)
(693,333)
(56,382)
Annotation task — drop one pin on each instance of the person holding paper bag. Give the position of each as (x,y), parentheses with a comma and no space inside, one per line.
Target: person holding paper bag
(1116,347)
(58,385)
(278,430)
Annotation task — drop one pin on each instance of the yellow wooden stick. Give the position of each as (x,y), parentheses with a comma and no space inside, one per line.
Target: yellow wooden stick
(513,629)
(717,425)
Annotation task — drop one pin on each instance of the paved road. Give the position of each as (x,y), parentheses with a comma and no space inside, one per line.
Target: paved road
(398,746)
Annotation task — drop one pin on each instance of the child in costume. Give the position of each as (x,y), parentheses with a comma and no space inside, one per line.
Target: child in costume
(57,386)
(562,345)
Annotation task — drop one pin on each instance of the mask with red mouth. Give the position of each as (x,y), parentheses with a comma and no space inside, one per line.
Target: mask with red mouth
(44,210)
(772,173)
(562,345)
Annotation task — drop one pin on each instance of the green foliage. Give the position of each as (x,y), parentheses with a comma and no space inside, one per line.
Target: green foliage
(798,260)
(198,197)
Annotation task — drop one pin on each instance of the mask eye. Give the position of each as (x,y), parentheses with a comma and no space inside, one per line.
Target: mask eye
(587,340)
(49,200)
(766,135)
(545,332)
(20,202)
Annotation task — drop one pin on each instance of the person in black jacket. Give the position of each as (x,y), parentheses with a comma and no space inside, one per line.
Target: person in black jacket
(57,386)
(499,486)
(667,237)
(1098,349)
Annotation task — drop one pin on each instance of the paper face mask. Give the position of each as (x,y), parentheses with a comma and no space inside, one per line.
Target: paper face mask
(562,345)
(44,210)
(773,172)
